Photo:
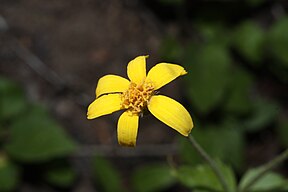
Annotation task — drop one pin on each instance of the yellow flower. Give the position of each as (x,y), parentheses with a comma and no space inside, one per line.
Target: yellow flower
(114,93)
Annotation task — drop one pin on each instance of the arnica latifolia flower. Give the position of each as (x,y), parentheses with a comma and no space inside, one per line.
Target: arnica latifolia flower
(115,93)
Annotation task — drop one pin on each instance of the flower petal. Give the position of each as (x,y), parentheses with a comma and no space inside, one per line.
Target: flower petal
(171,113)
(136,70)
(111,84)
(104,105)
(127,129)
(163,73)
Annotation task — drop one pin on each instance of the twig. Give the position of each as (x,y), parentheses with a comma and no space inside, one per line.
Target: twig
(210,161)
(266,168)
(110,151)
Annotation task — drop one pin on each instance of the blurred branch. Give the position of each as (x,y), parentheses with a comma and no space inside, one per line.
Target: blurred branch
(39,67)
(266,168)
(48,74)
(109,150)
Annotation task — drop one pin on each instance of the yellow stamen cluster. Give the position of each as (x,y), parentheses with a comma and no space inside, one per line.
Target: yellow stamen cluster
(137,97)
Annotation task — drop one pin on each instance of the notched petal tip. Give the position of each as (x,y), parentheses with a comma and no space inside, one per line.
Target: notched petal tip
(171,113)
(163,73)
(89,116)
(184,72)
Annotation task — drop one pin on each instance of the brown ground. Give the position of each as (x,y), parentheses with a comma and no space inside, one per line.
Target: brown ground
(79,41)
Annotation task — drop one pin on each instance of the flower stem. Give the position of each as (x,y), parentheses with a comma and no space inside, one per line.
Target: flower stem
(210,161)
(266,168)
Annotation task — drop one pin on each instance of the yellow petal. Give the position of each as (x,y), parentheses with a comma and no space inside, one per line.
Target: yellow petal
(136,70)
(171,113)
(163,73)
(104,105)
(111,84)
(127,129)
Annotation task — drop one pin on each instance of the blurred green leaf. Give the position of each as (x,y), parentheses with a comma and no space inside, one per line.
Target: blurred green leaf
(203,176)
(60,176)
(264,114)
(208,75)
(269,182)
(214,32)
(12,100)
(36,137)
(9,175)
(106,175)
(255,3)
(249,41)
(170,49)
(282,130)
(153,178)
(225,142)
(238,100)
(278,40)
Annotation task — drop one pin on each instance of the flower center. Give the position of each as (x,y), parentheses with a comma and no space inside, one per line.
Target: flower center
(137,96)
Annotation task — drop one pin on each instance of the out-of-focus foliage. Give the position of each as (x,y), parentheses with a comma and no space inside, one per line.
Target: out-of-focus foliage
(282,130)
(202,177)
(270,182)
(12,101)
(249,40)
(60,173)
(28,135)
(263,114)
(227,61)
(238,100)
(155,177)
(106,175)
(278,41)
(224,141)
(46,139)
(9,174)
(210,75)
(229,51)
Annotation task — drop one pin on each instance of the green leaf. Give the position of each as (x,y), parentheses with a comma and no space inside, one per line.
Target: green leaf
(278,41)
(171,49)
(35,137)
(282,130)
(265,112)
(106,176)
(249,40)
(269,182)
(153,178)
(204,176)
(12,100)
(238,100)
(9,175)
(60,175)
(255,3)
(208,76)
(214,32)
(225,142)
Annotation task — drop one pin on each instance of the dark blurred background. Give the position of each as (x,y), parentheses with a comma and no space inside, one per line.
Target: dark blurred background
(52,54)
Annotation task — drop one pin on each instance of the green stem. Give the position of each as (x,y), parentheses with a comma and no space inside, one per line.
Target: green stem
(210,161)
(266,168)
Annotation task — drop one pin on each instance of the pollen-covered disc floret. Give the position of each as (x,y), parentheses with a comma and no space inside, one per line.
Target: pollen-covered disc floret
(136,98)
